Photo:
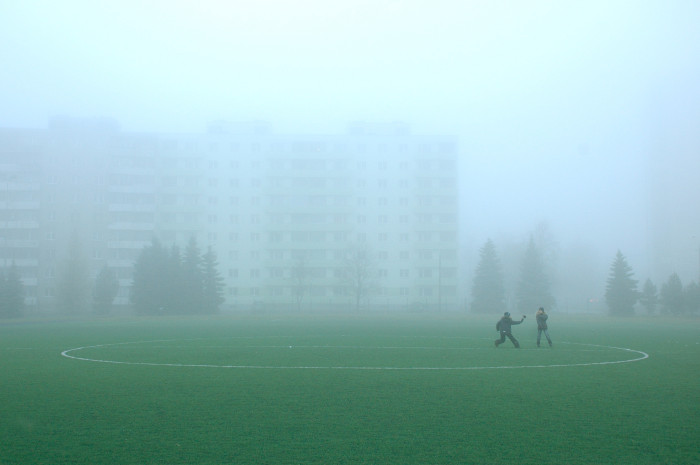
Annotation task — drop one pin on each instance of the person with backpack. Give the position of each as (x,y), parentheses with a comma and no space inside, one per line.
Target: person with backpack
(503,327)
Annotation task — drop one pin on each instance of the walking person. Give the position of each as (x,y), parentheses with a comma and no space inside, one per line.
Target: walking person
(541,317)
(503,326)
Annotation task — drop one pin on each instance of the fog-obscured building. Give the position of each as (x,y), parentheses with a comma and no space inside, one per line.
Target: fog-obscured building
(290,217)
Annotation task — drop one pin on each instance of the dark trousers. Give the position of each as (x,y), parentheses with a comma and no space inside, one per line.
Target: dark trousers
(503,339)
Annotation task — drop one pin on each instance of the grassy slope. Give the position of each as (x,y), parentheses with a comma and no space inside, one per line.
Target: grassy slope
(56,410)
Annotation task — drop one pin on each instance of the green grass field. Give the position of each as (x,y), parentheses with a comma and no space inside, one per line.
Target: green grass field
(348,389)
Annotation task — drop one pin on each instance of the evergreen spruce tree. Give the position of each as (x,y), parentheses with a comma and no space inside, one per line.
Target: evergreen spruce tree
(105,290)
(213,283)
(177,301)
(672,295)
(150,288)
(649,297)
(488,291)
(11,294)
(691,298)
(621,290)
(534,286)
(73,289)
(192,278)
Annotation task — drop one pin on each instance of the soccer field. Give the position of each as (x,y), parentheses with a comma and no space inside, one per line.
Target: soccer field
(349,389)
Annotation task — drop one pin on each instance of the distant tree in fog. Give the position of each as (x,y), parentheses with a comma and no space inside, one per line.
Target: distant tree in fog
(672,295)
(488,290)
(360,274)
(175,283)
(691,297)
(151,288)
(649,297)
(171,284)
(73,286)
(105,290)
(546,244)
(11,293)
(212,283)
(299,279)
(621,290)
(192,278)
(533,289)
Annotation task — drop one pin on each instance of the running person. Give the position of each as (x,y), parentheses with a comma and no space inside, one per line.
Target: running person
(503,326)
(541,318)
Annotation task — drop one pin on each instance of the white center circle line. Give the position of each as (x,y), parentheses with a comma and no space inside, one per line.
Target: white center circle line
(68,354)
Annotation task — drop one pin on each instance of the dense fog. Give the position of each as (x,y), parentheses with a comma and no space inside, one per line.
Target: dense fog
(577,121)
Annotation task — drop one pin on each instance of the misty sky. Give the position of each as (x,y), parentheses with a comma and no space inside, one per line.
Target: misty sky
(561,107)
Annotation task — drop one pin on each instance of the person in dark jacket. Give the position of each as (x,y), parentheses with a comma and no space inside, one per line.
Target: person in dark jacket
(541,317)
(503,327)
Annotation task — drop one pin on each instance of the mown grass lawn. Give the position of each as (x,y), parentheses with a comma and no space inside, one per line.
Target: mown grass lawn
(175,396)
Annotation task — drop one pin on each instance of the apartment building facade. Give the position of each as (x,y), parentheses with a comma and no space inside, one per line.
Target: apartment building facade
(367,219)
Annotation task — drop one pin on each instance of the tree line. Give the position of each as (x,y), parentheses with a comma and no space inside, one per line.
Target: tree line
(488,293)
(488,288)
(171,282)
(165,282)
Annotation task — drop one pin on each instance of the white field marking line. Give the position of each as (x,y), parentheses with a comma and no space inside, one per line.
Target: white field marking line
(66,353)
(233,347)
(323,347)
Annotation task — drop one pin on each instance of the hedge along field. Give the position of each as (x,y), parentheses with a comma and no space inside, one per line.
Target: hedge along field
(360,401)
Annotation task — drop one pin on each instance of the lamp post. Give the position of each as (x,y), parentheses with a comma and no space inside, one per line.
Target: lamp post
(439,280)
(695,238)
(4,213)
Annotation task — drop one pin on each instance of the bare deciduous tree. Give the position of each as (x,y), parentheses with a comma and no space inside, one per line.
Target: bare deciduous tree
(299,279)
(360,274)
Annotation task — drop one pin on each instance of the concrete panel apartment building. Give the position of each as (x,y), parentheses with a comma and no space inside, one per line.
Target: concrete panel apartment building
(291,218)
